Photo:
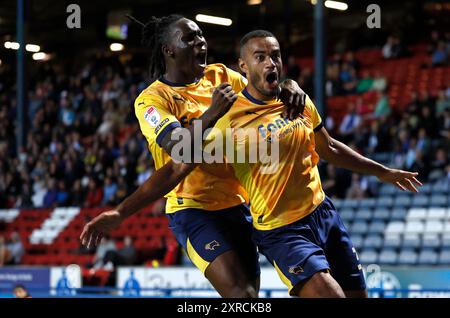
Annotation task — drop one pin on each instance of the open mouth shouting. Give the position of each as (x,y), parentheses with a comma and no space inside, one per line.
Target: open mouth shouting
(200,58)
(272,80)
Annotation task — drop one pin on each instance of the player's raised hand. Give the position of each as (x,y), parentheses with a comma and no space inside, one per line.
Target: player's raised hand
(223,98)
(293,97)
(102,224)
(404,180)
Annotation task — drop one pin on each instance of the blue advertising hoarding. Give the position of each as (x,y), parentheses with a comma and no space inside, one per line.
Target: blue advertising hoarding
(41,281)
(413,282)
(37,279)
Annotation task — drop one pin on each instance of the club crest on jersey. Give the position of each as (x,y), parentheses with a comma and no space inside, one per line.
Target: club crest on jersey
(152,116)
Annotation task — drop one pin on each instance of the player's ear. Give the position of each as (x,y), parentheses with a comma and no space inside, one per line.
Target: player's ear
(243,66)
(167,51)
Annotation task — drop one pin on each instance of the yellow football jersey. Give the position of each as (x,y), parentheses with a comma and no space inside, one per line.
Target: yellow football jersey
(164,106)
(293,189)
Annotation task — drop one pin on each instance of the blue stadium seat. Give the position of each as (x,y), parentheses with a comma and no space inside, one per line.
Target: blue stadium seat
(402,201)
(392,241)
(440,187)
(407,257)
(417,214)
(395,227)
(420,201)
(387,257)
(350,203)
(428,257)
(434,226)
(347,214)
(373,241)
(431,241)
(367,203)
(414,227)
(435,213)
(381,214)
(368,256)
(444,257)
(385,201)
(438,200)
(359,227)
(398,214)
(363,214)
(376,227)
(411,241)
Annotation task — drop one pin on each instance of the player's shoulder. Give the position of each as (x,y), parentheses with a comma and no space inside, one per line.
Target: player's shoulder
(309,100)
(156,88)
(309,104)
(155,92)
(311,112)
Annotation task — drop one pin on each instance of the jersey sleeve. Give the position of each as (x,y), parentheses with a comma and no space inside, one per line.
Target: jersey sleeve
(155,117)
(314,114)
(238,82)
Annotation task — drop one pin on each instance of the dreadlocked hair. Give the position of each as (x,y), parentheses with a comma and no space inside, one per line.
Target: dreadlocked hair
(154,35)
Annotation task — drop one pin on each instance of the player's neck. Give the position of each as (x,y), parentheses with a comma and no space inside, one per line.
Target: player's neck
(257,94)
(179,78)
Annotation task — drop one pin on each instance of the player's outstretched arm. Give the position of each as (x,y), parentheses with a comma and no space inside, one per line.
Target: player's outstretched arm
(340,155)
(159,184)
